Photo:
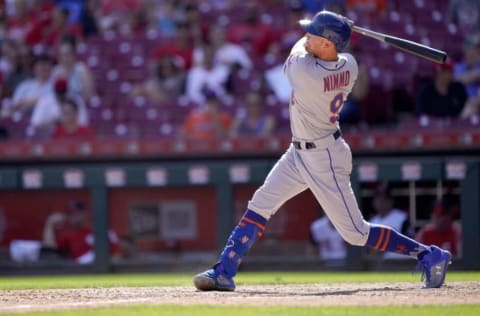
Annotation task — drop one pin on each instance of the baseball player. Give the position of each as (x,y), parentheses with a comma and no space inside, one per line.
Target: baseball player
(318,159)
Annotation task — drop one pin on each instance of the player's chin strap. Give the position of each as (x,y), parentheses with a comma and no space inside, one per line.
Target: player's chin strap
(248,230)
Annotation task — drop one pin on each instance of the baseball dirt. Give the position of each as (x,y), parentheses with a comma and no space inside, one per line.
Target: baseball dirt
(255,295)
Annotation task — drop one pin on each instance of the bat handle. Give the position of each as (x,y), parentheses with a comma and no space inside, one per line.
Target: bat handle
(366,32)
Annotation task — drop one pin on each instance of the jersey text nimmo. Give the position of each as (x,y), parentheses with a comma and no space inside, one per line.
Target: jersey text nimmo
(336,81)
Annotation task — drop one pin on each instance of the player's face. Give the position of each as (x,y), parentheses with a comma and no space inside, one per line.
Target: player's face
(78,218)
(316,44)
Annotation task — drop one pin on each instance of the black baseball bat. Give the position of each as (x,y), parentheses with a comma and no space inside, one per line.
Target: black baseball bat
(411,47)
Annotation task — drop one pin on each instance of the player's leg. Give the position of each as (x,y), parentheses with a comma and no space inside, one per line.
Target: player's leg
(282,183)
(327,172)
(330,183)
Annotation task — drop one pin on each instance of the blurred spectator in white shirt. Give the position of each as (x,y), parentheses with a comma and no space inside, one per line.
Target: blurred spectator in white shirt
(48,109)
(331,246)
(206,75)
(79,77)
(233,56)
(277,80)
(225,52)
(386,214)
(28,92)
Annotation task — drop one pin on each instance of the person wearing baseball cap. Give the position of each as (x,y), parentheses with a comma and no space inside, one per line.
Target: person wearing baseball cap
(77,240)
(442,96)
(442,230)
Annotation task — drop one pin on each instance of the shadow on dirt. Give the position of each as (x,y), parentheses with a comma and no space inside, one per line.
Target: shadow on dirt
(274,293)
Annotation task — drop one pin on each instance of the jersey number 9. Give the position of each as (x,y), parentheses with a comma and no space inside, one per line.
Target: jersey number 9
(335,107)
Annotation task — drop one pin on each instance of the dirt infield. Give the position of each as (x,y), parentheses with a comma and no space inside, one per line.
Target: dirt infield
(260,295)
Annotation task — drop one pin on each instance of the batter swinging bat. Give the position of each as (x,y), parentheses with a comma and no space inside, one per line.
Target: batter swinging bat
(415,48)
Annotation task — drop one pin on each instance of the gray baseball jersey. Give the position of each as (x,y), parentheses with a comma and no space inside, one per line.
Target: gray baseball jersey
(319,89)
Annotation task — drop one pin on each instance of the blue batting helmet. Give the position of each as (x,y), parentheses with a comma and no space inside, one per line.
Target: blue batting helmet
(329,25)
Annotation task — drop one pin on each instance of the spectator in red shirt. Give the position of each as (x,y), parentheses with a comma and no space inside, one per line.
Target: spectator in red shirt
(442,230)
(180,46)
(21,22)
(59,27)
(113,13)
(69,128)
(29,19)
(112,6)
(71,233)
(373,8)
(251,33)
(42,18)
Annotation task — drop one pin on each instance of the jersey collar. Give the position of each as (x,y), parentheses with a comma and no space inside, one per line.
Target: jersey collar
(331,65)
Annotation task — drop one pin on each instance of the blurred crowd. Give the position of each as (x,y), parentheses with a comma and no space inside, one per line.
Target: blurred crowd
(80,69)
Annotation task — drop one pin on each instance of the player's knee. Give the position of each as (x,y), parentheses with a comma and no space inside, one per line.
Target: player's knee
(354,241)
(356,238)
